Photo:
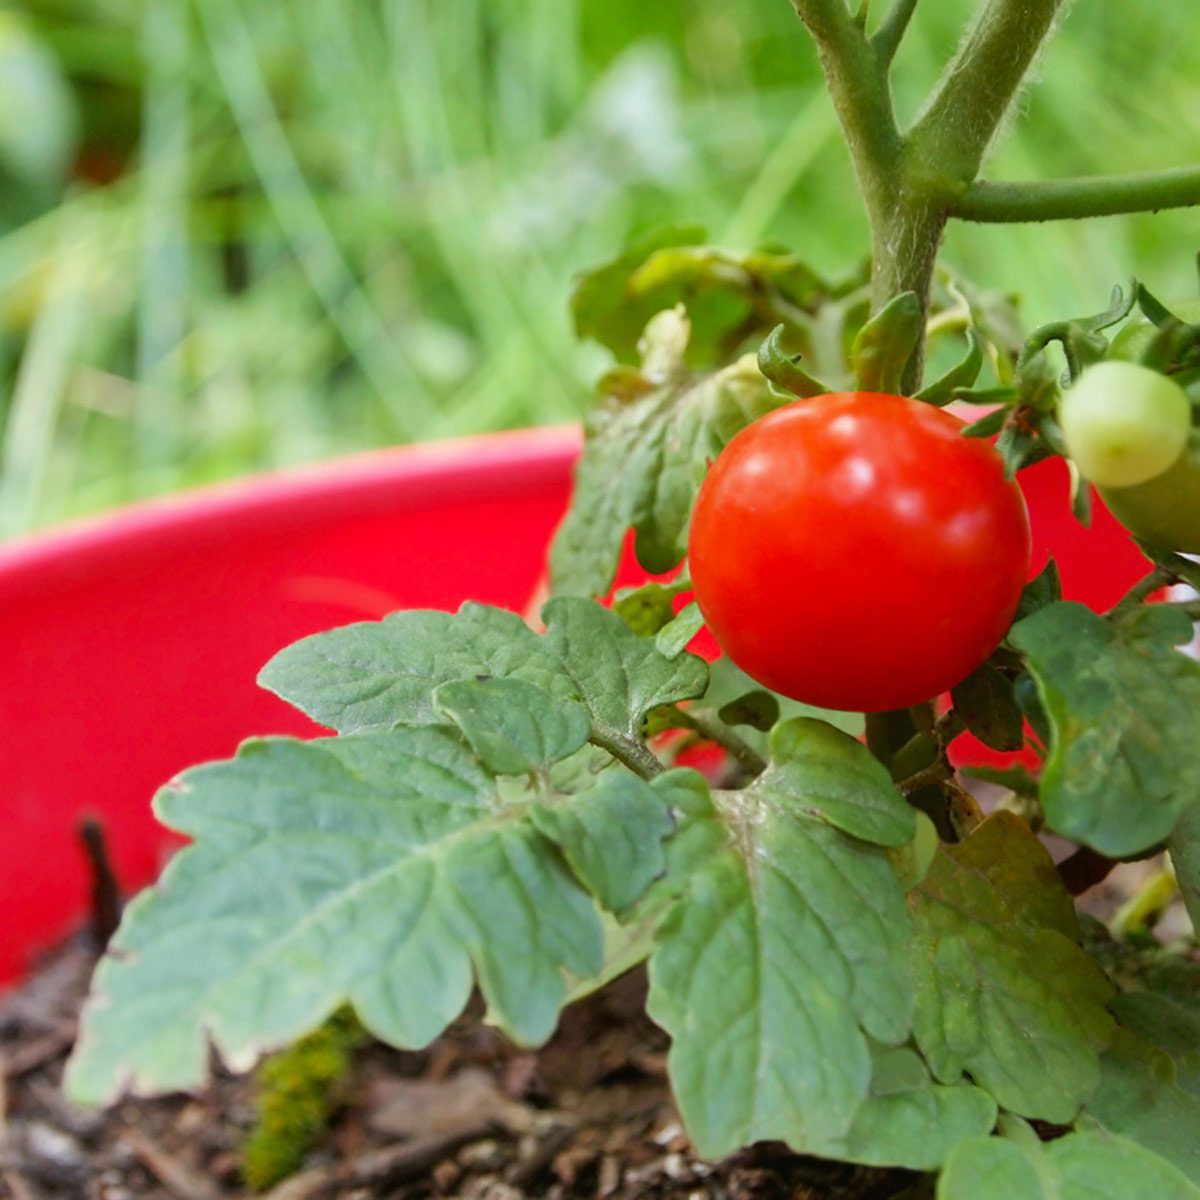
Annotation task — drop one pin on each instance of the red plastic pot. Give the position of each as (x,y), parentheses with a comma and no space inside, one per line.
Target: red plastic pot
(132,642)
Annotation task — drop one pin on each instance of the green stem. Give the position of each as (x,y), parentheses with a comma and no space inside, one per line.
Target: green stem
(953,132)
(892,28)
(715,730)
(636,755)
(936,773)
(1068,199)
(858,84)
(1162,576)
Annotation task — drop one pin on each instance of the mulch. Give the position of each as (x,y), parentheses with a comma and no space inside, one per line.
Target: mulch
(474,1117)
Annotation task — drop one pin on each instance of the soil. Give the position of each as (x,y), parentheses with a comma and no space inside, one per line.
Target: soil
(474,1117)
(588,1117)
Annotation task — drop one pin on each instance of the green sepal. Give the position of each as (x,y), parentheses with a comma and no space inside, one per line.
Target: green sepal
(784,370)
(884,345)
(962,376)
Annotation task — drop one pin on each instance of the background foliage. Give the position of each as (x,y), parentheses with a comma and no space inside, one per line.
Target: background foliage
(236,234)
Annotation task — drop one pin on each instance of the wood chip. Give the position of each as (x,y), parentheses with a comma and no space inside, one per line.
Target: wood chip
(18,1189)
(431,1108)
(38,1053)
(178,1178)
(531,1169)
(388,1167)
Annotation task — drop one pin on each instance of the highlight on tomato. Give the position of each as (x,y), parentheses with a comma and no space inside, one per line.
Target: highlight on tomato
(855,551)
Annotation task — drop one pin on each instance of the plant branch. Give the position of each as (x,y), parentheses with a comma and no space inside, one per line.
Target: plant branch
(1160,577)
(892,28)
(953,132)
(1089,196)
(634,754)
(933,775)
(858,85)
(715,730)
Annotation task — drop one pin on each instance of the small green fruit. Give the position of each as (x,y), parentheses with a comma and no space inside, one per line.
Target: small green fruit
(1165,510)
(1124,424)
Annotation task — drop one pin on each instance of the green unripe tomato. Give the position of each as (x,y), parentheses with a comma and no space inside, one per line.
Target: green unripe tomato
(1123,423)
(1165,510)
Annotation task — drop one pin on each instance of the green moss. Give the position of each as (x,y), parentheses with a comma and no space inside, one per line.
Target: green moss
(296,1093)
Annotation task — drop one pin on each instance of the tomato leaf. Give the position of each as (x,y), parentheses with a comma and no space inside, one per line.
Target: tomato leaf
(1185,857)
(376,674)
(908,1120)
(648,608)
(730,298)
(1040,592)
(781,1047)
(611,836)
(672,639)
(1167,1015)
(997,951)
(759,709)
(1139,1097)
(1124,706)
(643,461)
(840,780)
(1080,1166)
(989,709)
(513,726)
(601,302)
(379,869)
(618,676)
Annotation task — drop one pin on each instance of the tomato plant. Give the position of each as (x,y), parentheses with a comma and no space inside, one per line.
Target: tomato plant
(848,953)
(855,551)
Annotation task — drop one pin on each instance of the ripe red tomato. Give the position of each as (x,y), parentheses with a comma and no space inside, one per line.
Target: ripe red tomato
(856,552)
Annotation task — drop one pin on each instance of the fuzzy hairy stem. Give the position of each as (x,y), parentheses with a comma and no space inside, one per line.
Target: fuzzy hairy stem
(634,754)
(858,85)
(886,39)
(1067,199)
(953,132)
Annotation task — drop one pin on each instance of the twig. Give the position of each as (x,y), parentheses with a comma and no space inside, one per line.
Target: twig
(180,1180)
(38,1053)
(387,1167)
(525,1174)
(19,1189)
(106,892)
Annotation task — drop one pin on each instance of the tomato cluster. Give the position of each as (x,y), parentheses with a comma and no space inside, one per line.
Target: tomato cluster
(855,551)
(1129,430)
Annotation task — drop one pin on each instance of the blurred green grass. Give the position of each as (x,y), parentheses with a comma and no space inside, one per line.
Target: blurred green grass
(237,234)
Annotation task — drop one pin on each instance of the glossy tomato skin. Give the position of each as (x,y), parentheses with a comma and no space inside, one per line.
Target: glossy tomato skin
(855,551)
